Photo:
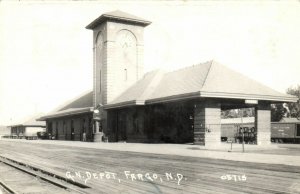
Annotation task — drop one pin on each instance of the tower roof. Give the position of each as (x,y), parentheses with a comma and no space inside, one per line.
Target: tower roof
(118,16)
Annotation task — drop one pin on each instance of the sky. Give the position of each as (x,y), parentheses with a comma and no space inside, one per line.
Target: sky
(46,55)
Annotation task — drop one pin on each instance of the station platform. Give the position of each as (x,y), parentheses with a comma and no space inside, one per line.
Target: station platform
(272,154)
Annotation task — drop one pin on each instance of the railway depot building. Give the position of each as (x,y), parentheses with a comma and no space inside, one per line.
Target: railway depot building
(182,106)
(27,129)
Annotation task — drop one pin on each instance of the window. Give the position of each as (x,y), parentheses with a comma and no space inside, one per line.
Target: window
(83,125)
(64,127)
(126,53)
(298,129)
(100,81)
(56,126)
(90,127)
(125,74)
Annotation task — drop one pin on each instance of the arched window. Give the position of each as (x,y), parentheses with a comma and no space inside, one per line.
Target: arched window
(126,50)
(99,54)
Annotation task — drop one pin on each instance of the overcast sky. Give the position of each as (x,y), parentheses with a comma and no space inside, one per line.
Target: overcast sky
(46,52)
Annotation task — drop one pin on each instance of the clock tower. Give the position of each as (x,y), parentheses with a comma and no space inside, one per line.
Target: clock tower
(118,58)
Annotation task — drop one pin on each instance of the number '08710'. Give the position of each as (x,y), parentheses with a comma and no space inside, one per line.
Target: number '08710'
(231,177)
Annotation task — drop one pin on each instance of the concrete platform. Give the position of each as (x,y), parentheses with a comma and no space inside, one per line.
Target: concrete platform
(253,153)
(201,173)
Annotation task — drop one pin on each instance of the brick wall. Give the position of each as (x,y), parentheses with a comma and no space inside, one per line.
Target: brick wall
(65,133)
(109,69)
(207,123)
(111,66)
(263,123)
(168,123)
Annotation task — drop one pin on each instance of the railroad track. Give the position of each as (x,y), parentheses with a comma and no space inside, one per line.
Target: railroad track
(17,177)
(203,175)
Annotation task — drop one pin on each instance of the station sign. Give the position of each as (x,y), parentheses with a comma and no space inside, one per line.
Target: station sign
(251,101)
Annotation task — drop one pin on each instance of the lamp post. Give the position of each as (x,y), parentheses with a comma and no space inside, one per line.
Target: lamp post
(97,117)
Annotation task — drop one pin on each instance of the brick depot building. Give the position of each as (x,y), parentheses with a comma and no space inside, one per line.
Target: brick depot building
(182,106)
(27,128)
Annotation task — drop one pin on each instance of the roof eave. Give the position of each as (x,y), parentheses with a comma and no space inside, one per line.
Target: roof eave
(105,17)
(248,96)
(21,125)
(124,104)
(174,98)
(63,114)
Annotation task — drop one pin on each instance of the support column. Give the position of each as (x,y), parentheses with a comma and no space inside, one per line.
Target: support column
(263,123)
(207,123)
(98,134)
(100,118)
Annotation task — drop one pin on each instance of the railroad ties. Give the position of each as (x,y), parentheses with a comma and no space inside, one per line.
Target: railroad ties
(200,175)
(17,177)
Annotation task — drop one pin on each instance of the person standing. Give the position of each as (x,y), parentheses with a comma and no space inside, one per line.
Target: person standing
(84,136)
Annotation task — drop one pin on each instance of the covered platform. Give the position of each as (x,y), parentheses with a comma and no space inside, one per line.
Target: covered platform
(185,106)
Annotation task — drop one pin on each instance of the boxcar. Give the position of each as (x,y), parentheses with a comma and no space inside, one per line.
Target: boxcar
(232,131)
(281,132)
(284,132)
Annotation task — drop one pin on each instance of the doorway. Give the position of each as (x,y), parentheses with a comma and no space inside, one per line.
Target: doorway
(56,130)
(49,130)
(72,130)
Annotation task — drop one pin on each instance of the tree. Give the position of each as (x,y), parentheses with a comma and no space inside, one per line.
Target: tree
(294,107)
(236,113)
(277,112)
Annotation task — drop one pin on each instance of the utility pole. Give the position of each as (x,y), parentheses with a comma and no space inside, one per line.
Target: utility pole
(242,129)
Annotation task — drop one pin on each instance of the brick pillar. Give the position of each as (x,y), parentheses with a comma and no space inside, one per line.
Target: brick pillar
(207,123)
(199,125)
(263,123)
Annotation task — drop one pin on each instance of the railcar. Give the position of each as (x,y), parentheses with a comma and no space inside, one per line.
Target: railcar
(281,132)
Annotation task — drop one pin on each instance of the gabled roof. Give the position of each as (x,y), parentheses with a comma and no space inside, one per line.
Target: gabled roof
(118,15)
(224,82)
(79,105)
(84,100)
(141,90)
(31,122)
(209,79)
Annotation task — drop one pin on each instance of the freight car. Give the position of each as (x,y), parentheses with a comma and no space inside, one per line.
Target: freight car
(285,132)
(239,132)
(281,132)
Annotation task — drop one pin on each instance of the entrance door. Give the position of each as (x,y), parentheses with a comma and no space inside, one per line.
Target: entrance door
(56,131)
(72,130)
(83,131)
(49,130)
(121,127)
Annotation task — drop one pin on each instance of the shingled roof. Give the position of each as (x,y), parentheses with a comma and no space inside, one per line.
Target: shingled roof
(209,79)
(31,123)
(118,15)
(79,105)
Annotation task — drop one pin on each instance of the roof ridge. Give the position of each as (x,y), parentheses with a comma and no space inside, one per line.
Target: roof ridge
(152,85)
(251,79)
(211,63)
(119,15)
(189,67)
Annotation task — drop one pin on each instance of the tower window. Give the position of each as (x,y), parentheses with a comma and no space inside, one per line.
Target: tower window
(100,81)
(125,74)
